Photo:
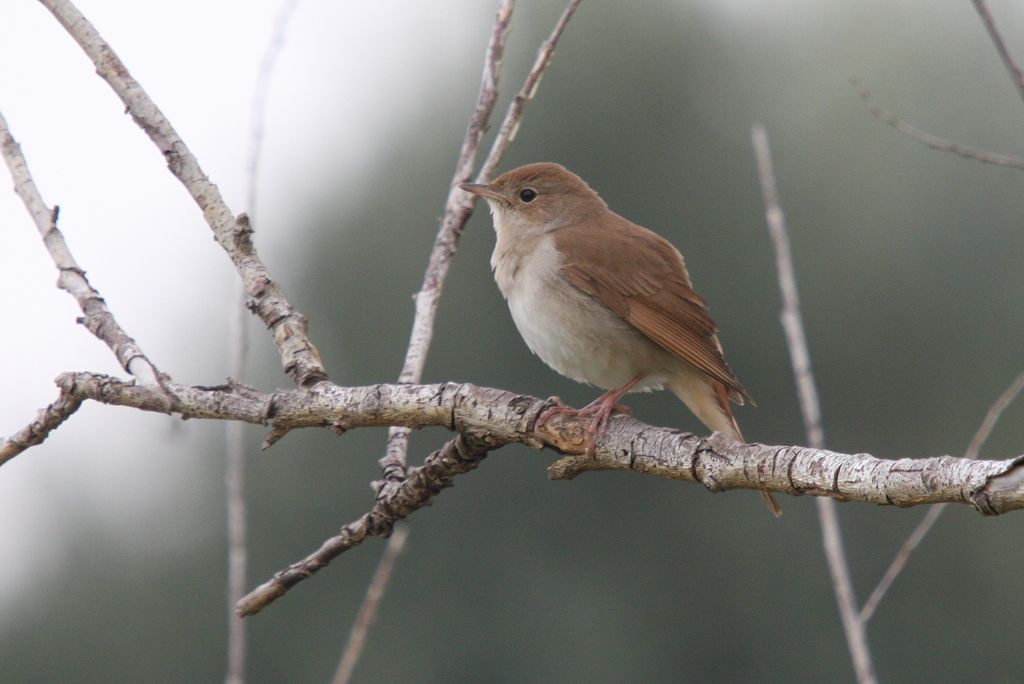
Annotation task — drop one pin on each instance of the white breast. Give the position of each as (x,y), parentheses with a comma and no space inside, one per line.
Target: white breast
(569,330)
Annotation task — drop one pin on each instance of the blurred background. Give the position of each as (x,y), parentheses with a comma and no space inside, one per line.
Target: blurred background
(112,534)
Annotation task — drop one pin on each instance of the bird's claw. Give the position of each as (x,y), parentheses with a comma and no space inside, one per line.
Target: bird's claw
(599,412)
(559,408)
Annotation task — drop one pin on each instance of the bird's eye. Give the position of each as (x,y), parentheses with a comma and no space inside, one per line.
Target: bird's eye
(527,195)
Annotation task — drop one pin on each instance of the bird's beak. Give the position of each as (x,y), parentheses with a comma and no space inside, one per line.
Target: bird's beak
(488,192)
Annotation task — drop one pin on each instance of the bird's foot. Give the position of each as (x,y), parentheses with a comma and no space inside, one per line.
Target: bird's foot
(616,408)
(599,412)
(559,408)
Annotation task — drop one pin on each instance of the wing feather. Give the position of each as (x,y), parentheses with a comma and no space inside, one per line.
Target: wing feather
(643,279)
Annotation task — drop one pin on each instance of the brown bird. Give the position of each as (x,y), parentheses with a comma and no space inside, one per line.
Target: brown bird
(604,301)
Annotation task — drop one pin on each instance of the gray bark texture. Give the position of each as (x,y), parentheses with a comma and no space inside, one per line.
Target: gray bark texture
(492,418)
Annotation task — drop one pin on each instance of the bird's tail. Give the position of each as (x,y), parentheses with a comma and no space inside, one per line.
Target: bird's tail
(712,408)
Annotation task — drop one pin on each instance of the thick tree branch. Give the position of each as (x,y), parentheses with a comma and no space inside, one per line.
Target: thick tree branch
(299,357)
(500,417)
(488,418)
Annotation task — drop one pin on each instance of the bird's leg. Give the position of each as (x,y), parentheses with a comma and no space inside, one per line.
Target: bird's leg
(618,408)
(599,411)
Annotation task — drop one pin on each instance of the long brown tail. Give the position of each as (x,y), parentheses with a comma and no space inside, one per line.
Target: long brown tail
(722,394)
(771,503)
(716,414)
(723,401)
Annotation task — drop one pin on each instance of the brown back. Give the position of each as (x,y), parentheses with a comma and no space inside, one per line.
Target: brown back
(643,279)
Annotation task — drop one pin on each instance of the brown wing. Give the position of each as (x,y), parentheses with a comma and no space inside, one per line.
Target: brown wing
(643,279)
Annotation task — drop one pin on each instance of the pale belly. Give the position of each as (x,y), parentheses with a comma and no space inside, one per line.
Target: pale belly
(575,334)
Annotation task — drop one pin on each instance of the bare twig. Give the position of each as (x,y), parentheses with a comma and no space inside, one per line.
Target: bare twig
(258,107)
(460,204)
(792,324)
(97,317)
(842,584)
(997,38)
(792,321)
(923,527)
(992,417)
(459,455)
(234,489)
(234,470)
(36,432)
(458,208)
(514,115)
(368,610)
(299,357)
(1007,160)
(457,211)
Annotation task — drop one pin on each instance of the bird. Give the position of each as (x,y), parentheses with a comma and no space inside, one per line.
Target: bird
(604,301)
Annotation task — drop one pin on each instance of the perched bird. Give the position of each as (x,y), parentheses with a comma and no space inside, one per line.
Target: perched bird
(604,301)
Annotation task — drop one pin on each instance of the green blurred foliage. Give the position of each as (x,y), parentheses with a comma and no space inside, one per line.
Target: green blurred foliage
(909,269)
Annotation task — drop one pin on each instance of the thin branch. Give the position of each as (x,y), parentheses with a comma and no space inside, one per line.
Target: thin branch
(791,318)
(997,38)
(47,420)
(459,205)
(1007,160)
(368,610)
(234,467)
(458,208)
(992,417)
(514,115)
(258,107)
(853,627)
(299,357)
(923,527)
(792,324)
(459,455)
(234,490)
(97,317)
(457,212)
